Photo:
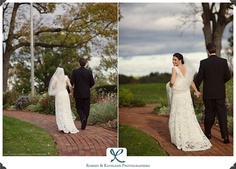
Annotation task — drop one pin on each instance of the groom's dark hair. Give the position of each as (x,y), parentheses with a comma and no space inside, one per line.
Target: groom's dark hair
(82,62)
(211,48)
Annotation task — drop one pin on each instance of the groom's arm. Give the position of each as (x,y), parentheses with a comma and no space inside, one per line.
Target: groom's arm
(72,79)
(199,78)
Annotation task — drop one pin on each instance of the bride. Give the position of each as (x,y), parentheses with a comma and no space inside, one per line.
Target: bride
(64,116)
(185,130)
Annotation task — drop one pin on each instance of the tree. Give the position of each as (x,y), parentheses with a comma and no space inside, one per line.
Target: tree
(46,65)
(46,62)
(215,22)
(107,69)
(85,27)
(229,51)
(16,35)
(215,17)
(20,74)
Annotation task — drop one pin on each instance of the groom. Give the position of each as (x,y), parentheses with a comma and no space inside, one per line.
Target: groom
(82,80)
(214,72)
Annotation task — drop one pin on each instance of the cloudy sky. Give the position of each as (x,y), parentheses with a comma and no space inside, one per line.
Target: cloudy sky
(149,34)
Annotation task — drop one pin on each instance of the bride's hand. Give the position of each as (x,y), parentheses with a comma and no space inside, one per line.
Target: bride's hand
(70,93)
(197,94)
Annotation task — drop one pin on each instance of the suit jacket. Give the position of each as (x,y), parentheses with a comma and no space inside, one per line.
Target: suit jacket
(214,72)
(82,80)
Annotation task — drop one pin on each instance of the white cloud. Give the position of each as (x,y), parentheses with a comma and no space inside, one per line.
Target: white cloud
(149,16)
(144,65)
(151,28)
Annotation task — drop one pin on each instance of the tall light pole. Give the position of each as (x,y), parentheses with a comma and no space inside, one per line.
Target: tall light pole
(32,48)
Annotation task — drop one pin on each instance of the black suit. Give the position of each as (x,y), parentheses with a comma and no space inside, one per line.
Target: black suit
(214,72)
(82,80)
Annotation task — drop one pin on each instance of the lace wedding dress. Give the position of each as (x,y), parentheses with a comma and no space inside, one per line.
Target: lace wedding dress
(185,130)
(64,116)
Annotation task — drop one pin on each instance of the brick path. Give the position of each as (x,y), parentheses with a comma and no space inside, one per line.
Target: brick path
(93,141)
(157,127)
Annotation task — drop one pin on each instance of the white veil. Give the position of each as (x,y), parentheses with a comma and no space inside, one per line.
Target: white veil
(190,70)
(56,82)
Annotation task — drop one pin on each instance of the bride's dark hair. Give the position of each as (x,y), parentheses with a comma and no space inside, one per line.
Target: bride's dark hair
(180,57)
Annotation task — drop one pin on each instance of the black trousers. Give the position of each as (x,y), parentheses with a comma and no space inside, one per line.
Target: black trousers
(83,107)
(215,108)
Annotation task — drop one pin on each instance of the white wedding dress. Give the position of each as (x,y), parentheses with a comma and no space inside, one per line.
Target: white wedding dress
(184,128)
(64,116)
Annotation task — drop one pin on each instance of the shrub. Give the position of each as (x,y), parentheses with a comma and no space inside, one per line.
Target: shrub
(229,95)
(34,108)
(9,98)
(73,105)
(200,117)
(125,97)
(229,106)
(162,108)
(22,102)
(93,96)
(112,124)
(104,111)
(230,124)
(106,89)
(47,104)
(137,103)
(34,99)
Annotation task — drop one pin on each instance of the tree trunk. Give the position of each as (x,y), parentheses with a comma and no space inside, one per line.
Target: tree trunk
(9,49)
(220,26)
(6,67)
(214,26)
(206,22)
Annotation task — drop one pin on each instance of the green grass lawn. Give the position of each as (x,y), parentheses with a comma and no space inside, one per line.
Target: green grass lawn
(24,139)
(138,143)
(150,92)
